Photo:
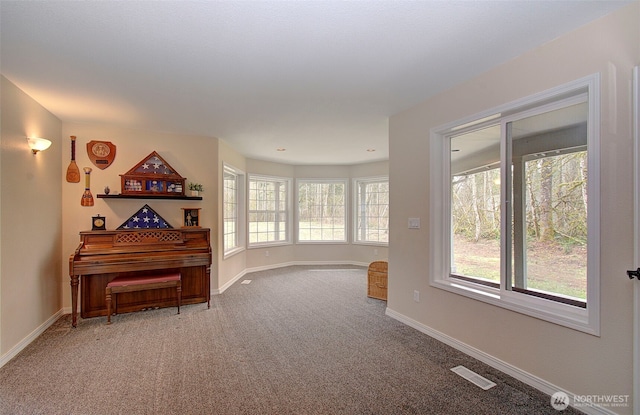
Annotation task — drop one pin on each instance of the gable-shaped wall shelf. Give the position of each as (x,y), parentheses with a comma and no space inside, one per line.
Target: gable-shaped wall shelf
(165,197)
(151,178)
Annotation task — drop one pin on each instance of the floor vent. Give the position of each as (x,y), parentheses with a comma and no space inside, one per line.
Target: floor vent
(246,282)
(473,377)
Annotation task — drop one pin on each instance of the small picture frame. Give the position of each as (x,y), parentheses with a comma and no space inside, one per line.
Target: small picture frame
(191,217)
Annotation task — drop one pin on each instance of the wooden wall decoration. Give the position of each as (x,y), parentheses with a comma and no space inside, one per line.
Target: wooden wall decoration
(87,197)
(73,172)
(101,153)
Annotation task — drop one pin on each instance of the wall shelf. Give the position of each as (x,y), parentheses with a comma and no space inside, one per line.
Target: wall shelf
(163,197)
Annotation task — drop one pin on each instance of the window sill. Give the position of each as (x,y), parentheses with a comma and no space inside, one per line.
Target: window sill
(268,244)
(322,242)
(233,252)
(380,244)
(562,314)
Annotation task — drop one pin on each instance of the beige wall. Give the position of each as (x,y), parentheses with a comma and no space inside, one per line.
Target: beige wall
(572,360)
(30,213)
(193,157)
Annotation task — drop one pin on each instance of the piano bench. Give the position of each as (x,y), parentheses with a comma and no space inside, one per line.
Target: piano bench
(141,283)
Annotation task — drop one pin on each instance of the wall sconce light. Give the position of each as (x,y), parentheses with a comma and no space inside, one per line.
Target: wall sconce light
(38,144)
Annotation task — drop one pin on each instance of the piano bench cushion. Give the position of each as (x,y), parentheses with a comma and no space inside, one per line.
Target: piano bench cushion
(144,279)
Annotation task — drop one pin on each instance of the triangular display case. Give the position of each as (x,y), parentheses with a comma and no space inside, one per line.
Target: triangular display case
(152,176)
(145,218)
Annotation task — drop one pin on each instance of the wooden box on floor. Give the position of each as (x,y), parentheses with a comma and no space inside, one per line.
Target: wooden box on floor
(377,276)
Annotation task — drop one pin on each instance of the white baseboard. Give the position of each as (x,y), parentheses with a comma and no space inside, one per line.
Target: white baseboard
(228,284)
(5,358)
(513,371)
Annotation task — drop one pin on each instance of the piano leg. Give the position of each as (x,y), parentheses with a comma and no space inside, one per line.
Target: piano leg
(208,285)
(74,299)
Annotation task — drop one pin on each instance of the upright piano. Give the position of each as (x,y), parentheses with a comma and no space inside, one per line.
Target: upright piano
(105,255)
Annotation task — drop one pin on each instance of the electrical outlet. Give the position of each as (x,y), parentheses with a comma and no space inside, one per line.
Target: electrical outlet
(416,296)
(266,253)
(375,252)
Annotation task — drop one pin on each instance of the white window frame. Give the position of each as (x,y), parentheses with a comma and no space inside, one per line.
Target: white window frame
(583,319)
(345,182)
(240,221)
(357,208)
(288,211)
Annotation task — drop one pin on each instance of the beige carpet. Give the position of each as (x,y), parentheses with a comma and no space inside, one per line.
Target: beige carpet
(296,340)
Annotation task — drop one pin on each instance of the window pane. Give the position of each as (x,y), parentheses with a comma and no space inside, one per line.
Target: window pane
(268,201)
(475,205)
(372,212)
(321,211)
(550,222)
(230,210)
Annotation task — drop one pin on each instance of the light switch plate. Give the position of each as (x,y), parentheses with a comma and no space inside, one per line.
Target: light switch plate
(414,223)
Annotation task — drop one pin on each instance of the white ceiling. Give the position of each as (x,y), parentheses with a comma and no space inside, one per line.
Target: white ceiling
(318,78)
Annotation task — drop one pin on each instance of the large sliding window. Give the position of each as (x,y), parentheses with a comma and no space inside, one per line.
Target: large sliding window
(519,226)
(233,210)
(322,211)
(269,209)
(372,210)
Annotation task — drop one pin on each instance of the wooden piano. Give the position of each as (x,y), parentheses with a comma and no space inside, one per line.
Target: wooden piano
(105,255)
